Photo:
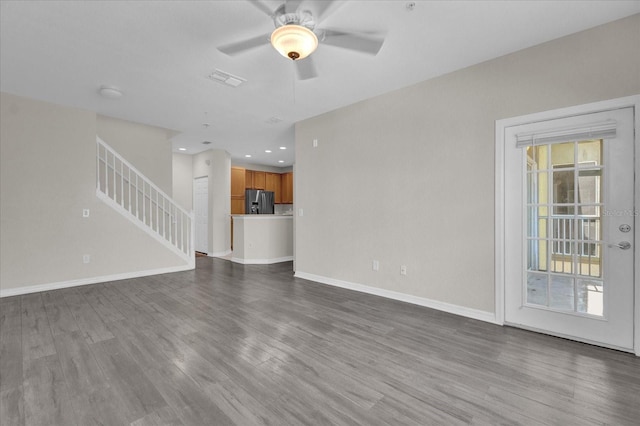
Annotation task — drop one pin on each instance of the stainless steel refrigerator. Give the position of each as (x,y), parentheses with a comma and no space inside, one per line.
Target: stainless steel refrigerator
(258,201)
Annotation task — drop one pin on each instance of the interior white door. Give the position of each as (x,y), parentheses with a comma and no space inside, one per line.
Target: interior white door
(201,213)
(569,226)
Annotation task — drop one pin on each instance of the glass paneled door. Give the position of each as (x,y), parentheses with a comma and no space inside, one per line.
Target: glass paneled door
(564,222)
(569,271)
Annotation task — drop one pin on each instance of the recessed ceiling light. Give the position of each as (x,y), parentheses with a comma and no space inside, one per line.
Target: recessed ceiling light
(110,92)
(280,161)
(268,151)
(248,155)
(182,149)
(283,147)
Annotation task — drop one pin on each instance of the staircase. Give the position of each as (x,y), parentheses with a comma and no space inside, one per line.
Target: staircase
(128,191)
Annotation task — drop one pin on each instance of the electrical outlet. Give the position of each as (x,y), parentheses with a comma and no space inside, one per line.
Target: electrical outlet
(86,258)
(403,269)
(85,212)
(375,265)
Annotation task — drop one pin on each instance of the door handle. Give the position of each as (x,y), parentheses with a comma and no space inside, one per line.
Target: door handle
(623,245)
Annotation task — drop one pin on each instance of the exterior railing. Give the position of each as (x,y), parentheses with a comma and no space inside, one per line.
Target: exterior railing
(583,231)
(126,189)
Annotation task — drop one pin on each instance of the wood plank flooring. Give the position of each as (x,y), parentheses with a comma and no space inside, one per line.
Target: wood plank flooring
(228,344)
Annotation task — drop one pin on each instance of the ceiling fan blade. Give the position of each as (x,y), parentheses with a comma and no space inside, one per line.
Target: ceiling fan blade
(306,68)
(291,6)
(241,46)
(323,9)
(262,7)
(370,44)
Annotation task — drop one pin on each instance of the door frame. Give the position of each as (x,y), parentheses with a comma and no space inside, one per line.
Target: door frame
(500,243)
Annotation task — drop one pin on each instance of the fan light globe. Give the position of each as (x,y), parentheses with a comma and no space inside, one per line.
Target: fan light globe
(294,41)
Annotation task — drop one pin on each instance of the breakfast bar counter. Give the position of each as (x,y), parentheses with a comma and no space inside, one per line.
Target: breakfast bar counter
(262,238)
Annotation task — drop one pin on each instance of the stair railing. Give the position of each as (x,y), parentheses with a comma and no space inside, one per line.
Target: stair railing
(122,186)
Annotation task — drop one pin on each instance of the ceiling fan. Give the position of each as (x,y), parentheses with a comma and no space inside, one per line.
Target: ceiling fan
(297,35)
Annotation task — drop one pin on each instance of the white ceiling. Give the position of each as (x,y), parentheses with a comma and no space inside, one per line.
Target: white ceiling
(159,53)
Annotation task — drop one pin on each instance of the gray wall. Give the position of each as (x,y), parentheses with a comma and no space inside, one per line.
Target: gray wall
(407,178)
(47,177)
(147,148)
(183,180)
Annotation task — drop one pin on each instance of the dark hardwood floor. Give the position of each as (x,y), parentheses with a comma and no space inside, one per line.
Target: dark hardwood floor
(248,345)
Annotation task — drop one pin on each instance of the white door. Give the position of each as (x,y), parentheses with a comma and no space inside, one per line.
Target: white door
(569,226)
(201,216)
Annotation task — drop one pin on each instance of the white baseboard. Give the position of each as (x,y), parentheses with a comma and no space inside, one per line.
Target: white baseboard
(94,280)
(261,261)
(219,254)
(403,297)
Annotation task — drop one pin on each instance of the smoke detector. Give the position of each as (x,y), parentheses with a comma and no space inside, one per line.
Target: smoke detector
(110,92)
(274,120)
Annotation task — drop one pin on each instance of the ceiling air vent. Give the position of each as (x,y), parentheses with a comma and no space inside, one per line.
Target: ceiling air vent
(226,78)
(206,143)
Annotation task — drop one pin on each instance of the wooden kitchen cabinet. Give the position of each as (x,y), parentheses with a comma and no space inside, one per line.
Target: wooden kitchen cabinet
(273,182)
(237,190)
(237,182)
(278,188)
(259,180)
(287,188)
(237,206)
(254,179)
(242,179)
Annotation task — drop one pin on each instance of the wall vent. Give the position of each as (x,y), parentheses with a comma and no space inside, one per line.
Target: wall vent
(226,78)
